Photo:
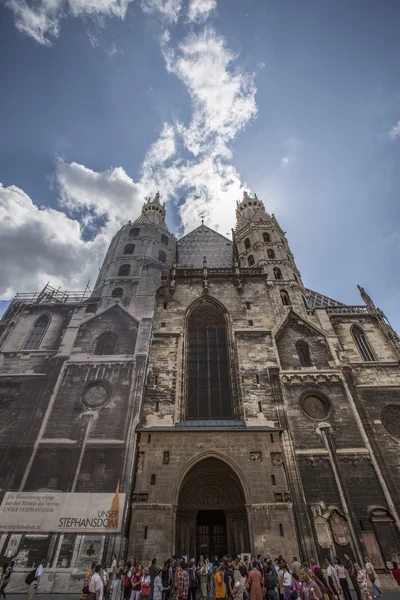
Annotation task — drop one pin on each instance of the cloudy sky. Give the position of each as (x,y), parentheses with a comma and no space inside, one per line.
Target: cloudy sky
(105,101)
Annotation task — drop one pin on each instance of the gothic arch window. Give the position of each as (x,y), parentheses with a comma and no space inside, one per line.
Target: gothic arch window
(360,340)
(134,232)
(129,249)
(285,298)
(36,334)
(303,351)
(106,343)
(247,243)
(266,237)
(162,256)
(250,260)
(124,270)
(117,292)
(277,273)
(271,253)
(209,394)
(164,239)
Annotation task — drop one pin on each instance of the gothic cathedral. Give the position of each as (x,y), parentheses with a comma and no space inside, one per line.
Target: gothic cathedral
(231,408)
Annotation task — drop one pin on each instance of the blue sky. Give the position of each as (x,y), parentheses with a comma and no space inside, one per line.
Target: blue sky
(297,100)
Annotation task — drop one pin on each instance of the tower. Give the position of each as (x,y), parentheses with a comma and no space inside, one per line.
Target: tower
(261,243)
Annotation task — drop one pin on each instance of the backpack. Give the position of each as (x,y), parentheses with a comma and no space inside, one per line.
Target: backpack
(30,578)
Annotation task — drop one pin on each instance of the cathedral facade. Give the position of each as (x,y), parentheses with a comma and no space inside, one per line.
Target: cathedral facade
(228,408)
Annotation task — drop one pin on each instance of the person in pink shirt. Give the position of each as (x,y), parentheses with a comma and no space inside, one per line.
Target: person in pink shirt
(314,565)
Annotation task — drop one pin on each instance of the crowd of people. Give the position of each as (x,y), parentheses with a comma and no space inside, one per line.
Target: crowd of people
(241,578)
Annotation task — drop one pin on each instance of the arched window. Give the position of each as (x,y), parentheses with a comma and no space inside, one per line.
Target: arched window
(106,343)
(266,237)
(281,530)
(36,334)
(247,243)
(129,249)
(117,292)
(162,256)
(209,393)
(153,480)
(303,351)
(277,273)
(133,233)
(124,270)
(271,253)
(250,260)
(285,298)
(362,343)
(273,482)
(164,239)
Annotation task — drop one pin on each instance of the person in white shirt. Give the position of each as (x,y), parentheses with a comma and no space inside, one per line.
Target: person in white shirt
(287,583)
(95,585)
(35,583)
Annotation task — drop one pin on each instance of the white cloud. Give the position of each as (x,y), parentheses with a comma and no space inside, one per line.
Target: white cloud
(40,19)
(285,160)
(395,131)
(200,10)
(169,9)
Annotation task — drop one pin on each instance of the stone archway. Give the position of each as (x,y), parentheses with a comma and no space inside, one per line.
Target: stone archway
(211,515)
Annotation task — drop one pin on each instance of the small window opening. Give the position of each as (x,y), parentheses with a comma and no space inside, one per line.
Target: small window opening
(260,407)
(271,253)
(281,530)
(277,273)
(251,323)
(162,257)
(157,406)
(303,351)
(164,239)
(149,438)
(124,270)
(133,233)
(247,243)
(155,379)
(272,438)
(248,305)
(257,379)
(153,480)
(250,260)
(163,324)
(285,298)
(117,292)
(129,249)
(165,306)
(273,482)
(266,237)
(145,533)
(361,525)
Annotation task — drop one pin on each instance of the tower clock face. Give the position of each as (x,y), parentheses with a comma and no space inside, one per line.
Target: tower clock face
(95,395)
(315,407)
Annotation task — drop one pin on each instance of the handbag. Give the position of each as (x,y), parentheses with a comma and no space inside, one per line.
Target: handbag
(145,591)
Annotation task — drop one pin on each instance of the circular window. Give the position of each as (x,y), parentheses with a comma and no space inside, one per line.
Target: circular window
(9,410)
(95,394)
(390,418)
(315,407)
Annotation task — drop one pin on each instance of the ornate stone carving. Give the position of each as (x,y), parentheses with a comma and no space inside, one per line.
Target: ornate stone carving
(390,417)
(256,456)
(277,459)
(9,410)
(140,464)
(166,458)
(339,529)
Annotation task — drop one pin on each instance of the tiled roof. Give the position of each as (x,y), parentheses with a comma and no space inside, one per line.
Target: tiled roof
(201,242)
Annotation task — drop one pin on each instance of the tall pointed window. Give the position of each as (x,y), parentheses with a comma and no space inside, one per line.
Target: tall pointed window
(250,260)
(247,243)
(162,256)
(303,351)
(277,273)
(106,343)
(362,343)
(285,298)
(124,270)
(266,237)
(129,249)
(271,253)
(209,390)
(36,334)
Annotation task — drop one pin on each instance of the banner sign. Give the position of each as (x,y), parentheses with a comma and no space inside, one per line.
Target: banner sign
(47,512)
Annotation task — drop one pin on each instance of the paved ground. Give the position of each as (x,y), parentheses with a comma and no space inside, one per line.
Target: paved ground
(387,596)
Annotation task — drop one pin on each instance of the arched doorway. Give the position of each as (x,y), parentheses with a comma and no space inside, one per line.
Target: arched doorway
(211,516)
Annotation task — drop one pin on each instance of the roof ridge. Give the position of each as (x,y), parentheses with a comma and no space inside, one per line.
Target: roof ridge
(209,229)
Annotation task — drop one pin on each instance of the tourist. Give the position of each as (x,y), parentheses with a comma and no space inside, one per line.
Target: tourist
(323,584)
(373,578)
(296,566)
(280,581)
(88,576)
(220,587)
(240,584)
(314,565)
(333,579)
(295,595)
(352,571)
(213,583)
(145,583)
(203,571)
(309,589)
(395,572)
(183,582)
(158,587)
(95,584)
(116,581)
(33,587)
(5,579)
(167,579)
(152,572)
(362,580)
(255,580)
(277,566)
(136,582)
(286,582)
(193,580)
(343,583)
